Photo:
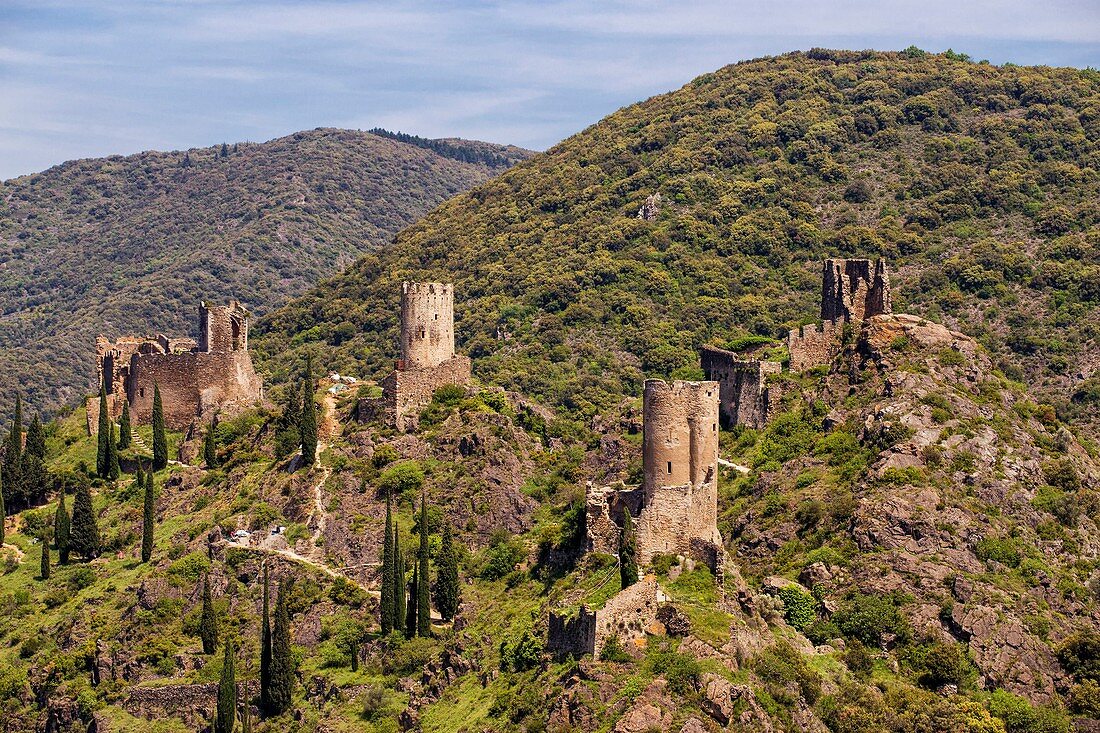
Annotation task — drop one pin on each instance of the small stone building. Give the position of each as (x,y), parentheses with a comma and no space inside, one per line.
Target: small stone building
(428,359)
(195,378)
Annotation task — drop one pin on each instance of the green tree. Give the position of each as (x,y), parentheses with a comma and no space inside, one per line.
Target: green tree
(103,436)
(209,449)
(44,566)
(628,551)
(282,656)
(414,600)
(208,623)
(3,509)
(348,635)
(147,518)
(386,605)
(113,470)
(400,605)
(61,529)
(124,430)
(265,646)
(446,584)
(36,441)
(309,417)
(160,439)
(84,529)
(226,718)
(423,604)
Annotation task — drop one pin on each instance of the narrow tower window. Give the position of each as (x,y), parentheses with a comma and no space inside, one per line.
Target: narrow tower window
(670,466)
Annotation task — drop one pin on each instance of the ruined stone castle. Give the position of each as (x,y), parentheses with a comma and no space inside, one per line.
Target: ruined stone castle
(428,359)
(195,378)
(750,393)
(851,291)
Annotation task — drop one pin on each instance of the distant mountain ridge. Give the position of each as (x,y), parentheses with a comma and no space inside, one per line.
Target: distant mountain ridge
(132,244)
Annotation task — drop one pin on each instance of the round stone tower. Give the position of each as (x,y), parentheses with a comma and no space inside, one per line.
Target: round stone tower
(680,460)
(427,324)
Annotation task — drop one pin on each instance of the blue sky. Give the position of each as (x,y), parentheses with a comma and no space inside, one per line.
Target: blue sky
(85,78)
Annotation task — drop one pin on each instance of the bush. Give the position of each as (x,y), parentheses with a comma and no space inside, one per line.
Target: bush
(681,671)
(613,651)
(870,618)
(1080,655)
(502,556)
(409,656)
(520,652)
(1002,550)
(859,660)
(799,606)
(936,664)
(1020,716)
(781,665)
(402,478)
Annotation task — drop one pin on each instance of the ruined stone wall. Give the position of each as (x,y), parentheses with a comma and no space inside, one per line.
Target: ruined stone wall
(604,509)
(191,384)
(427,324)
(853,290)
(814,345)
(194,704)
(408,391)
(630,614)
(744,396)
(680,461)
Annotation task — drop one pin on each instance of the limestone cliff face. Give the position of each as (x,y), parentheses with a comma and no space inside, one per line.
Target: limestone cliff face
(972,505)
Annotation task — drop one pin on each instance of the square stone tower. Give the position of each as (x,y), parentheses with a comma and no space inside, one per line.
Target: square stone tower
(679,512)
(223,328)
(853,290)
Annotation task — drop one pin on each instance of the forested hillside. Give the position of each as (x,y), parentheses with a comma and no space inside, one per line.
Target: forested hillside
(133,244)
(979,184)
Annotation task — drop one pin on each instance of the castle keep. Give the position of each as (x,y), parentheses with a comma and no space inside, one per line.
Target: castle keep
(851,291)
(745,397)
(195,378)
(428,360)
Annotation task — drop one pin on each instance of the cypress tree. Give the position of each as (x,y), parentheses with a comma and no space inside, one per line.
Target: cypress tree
(102,454)
(423,604)
(208,624)
(124,429)
(309,417)
(209,450)
(61,530)
(446,584)
(282,661)
(388,575)
(292,410)
(399,597)
(265,648)
(44,567)
(226,718)
(83,530)
(139,477)
(147,518)
(246,717)
(36,441)
(414,599)
(113,470)
(628,550)
(160,440)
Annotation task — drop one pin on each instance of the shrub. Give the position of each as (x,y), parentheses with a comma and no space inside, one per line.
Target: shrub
(190,566)
(808,514)
(409,656)
(998,549)
(936,664)
(821,631)
(680,670)
(859,660)
(402,478)
(520,652)
(1080,655)
(870,618)
(1084,698)
(502,556)
(613,651)
(1020,716)
(799,606)
(781,665)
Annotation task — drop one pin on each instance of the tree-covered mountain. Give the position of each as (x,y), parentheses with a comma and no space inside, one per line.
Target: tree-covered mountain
(979,184)
(132,244)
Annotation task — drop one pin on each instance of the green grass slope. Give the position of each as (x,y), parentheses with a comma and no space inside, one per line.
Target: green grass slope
(132,244)
(978,183)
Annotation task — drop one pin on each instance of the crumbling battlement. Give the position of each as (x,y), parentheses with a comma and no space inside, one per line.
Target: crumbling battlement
(604,510)
(812,345)
(630,614)
(853,290)
(428,360)
(194,377)
(744,396)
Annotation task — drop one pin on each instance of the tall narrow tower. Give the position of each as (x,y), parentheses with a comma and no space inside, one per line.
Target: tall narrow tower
(223,328)
(427,324)
(854,290)
(680,461)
